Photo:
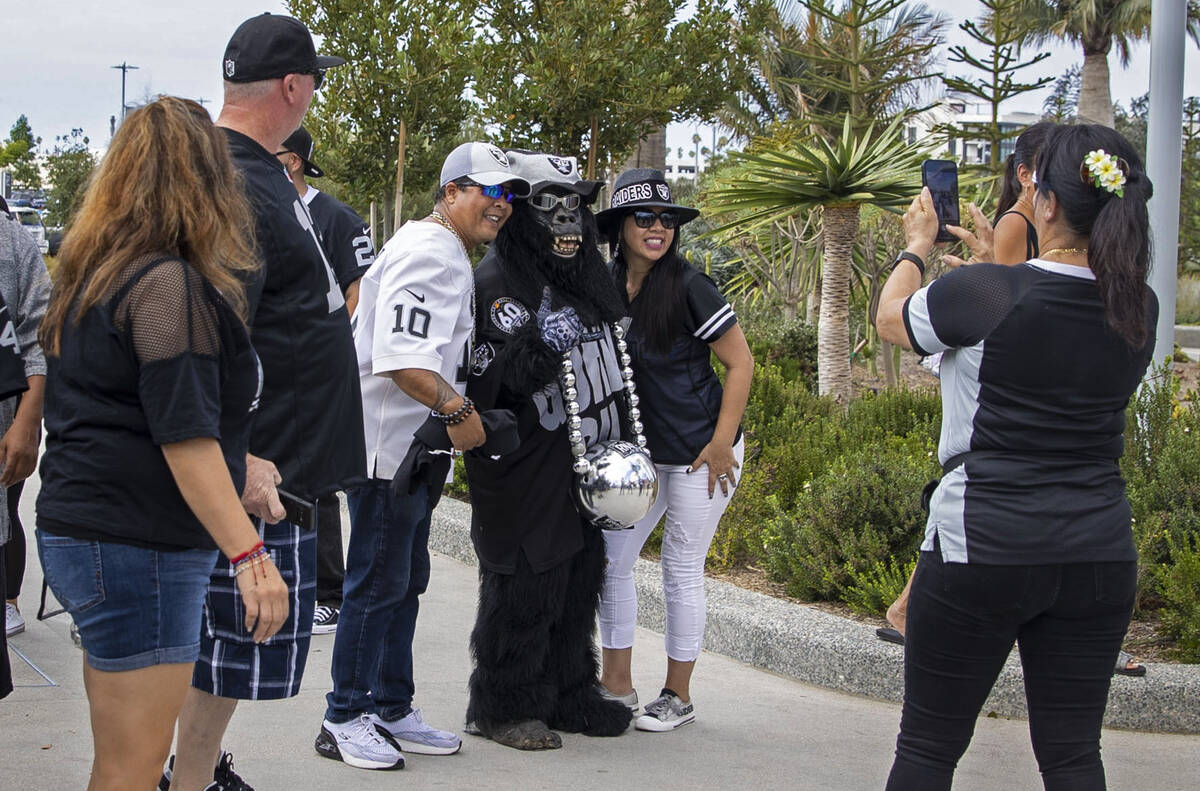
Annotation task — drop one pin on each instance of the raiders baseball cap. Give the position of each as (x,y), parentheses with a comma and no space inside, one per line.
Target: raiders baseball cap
(484,164)
(543,170)
(300,143)
(269,46)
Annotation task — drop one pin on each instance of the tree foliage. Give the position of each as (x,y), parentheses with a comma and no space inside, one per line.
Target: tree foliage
(69,167)
(19,152)
(1059,106)
(406,61)
(1000,31)
(590,78)
(1097,26)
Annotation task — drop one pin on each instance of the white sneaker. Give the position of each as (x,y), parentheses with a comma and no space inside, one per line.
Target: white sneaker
(412,734)
(359,744)
(630,700)
(14,622)
(666,713)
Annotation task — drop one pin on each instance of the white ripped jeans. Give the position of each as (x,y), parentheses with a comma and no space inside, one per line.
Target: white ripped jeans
(691,522)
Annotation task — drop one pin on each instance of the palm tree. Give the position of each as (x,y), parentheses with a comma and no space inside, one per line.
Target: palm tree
(1097,26)
(775,184)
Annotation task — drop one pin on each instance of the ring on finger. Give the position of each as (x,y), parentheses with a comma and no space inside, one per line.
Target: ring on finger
(722,477)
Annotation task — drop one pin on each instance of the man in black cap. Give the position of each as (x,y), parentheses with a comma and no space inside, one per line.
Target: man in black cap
(346,240)
(307,437)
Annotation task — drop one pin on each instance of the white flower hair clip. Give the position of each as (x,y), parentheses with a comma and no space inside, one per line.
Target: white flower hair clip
(1105,171)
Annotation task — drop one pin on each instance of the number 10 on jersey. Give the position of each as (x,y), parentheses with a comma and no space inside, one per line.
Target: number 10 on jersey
(416,323)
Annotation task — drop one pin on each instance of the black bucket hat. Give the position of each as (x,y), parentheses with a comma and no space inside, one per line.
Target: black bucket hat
(300,143)
(640,188)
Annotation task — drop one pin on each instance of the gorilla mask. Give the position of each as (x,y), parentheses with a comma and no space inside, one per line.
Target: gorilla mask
(556,209)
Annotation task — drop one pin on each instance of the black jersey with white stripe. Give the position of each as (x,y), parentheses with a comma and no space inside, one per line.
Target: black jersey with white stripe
(1034,389)
(345,237)
(679,392)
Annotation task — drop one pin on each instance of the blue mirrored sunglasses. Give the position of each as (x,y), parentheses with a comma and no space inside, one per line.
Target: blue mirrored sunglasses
(495,191)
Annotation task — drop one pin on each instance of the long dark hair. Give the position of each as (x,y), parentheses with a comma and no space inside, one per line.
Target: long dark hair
(659,311)
(1118,227)
(1024,153)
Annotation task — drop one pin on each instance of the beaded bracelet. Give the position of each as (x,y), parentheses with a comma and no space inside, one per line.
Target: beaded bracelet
(236,560)
(256,556)
(458,415)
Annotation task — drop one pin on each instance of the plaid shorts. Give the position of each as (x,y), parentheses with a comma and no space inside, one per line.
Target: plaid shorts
(231,664)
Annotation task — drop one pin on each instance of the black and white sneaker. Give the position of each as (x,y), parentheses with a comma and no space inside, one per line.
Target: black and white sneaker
(666,713)
(325,619)
(358,743)
(224,778)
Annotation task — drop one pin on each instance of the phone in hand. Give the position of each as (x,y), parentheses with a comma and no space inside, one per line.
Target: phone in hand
(300,512)
(941,176)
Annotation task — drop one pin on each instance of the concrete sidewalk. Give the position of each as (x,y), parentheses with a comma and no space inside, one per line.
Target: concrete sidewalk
(754,728)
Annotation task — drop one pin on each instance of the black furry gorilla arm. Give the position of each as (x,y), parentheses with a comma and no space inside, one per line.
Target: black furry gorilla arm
(527,363)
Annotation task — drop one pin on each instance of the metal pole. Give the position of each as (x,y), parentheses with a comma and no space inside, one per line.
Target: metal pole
(125,68)
(1164,146)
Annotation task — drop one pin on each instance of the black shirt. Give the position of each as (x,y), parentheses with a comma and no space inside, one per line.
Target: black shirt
(12,366)
(523,502)
(1034,389)
(345,238)
(679,393)
(161,360)
(309,422)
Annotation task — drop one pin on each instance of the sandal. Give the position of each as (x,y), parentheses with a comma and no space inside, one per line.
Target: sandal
(1127,667)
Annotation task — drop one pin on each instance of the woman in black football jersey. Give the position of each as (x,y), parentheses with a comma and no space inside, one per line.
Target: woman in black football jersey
(1028,539)
(678,317)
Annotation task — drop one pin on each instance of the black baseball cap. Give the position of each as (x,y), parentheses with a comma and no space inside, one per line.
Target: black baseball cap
(300,143)
(269,46)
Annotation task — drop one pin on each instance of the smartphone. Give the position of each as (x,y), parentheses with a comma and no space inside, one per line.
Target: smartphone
(300,512)
(941,176)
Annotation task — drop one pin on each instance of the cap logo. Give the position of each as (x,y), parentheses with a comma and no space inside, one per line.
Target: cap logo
(229,67)
(664,191)
(498,155)
(634,192)
(563,166)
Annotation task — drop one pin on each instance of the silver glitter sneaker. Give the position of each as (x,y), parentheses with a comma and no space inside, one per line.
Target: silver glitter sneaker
(666,713)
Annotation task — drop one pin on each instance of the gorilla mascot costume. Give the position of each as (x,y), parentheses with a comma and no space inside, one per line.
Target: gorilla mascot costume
(542,292)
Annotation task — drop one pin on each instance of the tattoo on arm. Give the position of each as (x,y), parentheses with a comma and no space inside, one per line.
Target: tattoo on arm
(445,393)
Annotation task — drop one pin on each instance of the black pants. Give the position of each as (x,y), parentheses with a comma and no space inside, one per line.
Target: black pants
(331,563)
(5,671)
(1068,622)
(14,550)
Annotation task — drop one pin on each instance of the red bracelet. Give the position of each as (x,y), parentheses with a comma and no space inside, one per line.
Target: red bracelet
(246,554)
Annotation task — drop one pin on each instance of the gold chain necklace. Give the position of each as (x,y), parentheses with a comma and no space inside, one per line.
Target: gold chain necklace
(1064,251)
(437,217)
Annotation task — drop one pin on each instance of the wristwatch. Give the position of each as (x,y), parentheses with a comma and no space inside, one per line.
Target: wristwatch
(907,256)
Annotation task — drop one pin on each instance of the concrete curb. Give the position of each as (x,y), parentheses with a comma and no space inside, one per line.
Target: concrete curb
(818,648)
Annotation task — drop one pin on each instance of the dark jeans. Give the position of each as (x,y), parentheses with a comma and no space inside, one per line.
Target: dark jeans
(1068,622)
(387,569)
(331,566)
(14,550)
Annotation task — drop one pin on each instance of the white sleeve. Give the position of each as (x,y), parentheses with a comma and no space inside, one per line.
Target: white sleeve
(415,312)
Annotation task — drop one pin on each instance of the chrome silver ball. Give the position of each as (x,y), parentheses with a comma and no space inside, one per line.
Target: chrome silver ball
(635,413)
(572,408)
(578,449)
(570,394)
(630,386)
(574,423)
(626,373)
(625,359)
(567,365)
(574,437)
(568,380)
(619,486)
(633,399)
(581,467)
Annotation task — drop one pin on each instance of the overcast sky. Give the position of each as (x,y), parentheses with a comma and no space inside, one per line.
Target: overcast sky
(58,55)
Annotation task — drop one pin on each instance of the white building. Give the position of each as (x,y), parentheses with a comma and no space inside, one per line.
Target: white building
(963,112)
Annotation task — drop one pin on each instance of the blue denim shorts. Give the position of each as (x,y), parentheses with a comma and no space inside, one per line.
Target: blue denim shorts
(133,607)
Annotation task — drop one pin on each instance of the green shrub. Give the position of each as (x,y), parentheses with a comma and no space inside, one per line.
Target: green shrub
(864,509)
(1179,582)
(871,591)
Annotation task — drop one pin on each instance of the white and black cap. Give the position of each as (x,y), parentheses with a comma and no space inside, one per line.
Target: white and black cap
(269,46)
(300,143)
(547,170)
(484,164)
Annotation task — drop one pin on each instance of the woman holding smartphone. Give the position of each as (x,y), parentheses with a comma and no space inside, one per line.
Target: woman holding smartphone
(1028,539)
(678,318)
(150,384)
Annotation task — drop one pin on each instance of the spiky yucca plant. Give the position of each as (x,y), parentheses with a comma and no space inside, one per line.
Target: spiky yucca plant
(771,184)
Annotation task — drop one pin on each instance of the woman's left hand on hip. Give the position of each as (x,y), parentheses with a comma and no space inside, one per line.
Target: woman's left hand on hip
(721,463)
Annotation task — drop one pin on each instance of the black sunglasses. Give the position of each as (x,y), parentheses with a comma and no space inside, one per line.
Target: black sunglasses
(318,76)
(643,218)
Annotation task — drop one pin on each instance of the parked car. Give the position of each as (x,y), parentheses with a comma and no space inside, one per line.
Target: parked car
(32,221)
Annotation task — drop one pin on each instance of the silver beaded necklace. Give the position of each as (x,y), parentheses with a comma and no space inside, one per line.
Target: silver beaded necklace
(571,402)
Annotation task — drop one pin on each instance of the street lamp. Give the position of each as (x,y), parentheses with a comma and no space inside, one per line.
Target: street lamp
(125,68)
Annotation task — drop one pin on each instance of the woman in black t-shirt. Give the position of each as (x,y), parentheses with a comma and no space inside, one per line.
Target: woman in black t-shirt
(678,318)
(1028,539)
(151,380)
